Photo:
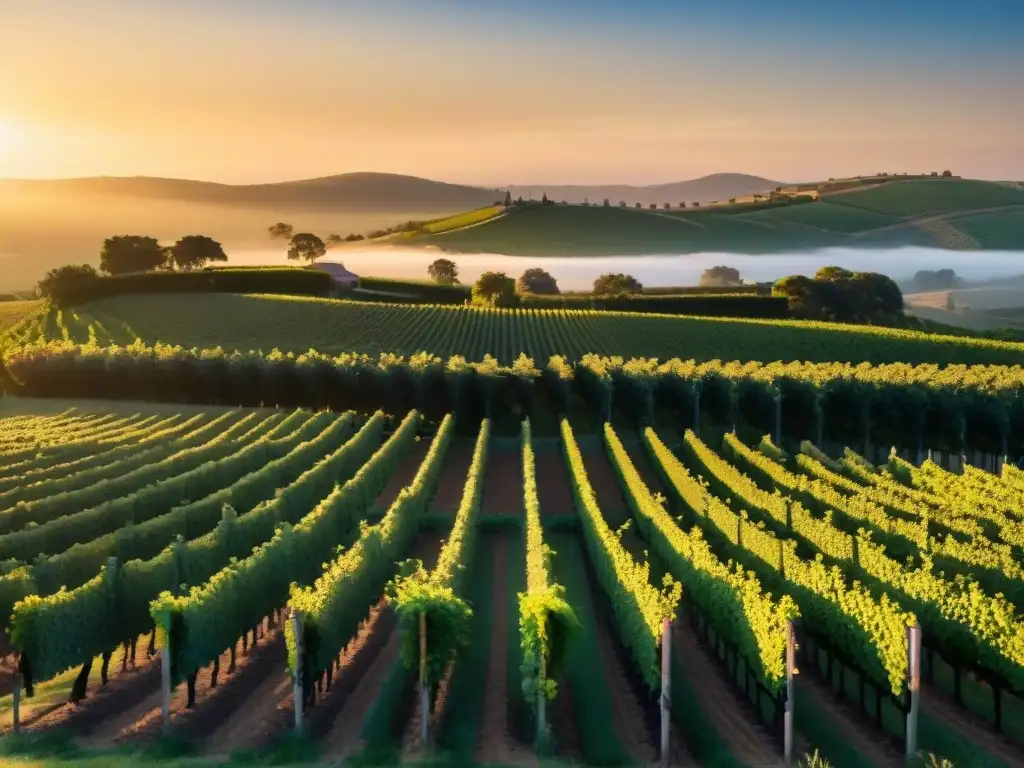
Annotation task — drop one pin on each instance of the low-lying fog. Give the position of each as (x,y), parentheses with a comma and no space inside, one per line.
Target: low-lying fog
(579,273)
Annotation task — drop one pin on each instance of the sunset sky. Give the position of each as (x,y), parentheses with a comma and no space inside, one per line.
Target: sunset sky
(524,91)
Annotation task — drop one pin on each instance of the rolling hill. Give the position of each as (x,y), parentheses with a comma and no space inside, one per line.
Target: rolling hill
(717,186)
(377,192)
(958,214)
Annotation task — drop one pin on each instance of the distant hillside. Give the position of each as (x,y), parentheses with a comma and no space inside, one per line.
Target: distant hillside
(350,192)
(717,186)
(954,214)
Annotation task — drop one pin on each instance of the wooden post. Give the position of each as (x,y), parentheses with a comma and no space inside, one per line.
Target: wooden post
(542,700)
(297,693)
(165,677)
(666,689)
(791,670)
(16,712)
(914,683)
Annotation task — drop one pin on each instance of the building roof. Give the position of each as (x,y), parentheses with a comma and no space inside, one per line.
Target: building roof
(336,269)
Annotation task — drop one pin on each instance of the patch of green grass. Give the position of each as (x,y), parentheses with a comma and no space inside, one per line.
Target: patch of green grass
(931,196)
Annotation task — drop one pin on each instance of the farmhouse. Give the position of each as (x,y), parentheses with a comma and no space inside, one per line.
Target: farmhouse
(342,277)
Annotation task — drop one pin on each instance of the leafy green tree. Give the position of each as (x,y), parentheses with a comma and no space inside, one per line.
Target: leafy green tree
(444,272)
(281,230)
(537,281)
(131,253)
(508,198)
(616,283)
(63,285)
(495,289)
(195,251)
(333,240)
(838,295)
(306,246)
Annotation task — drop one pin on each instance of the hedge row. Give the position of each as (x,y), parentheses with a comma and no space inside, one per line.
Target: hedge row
(431,293)
(284,280)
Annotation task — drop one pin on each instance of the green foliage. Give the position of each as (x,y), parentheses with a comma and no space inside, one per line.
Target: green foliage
(438,595)
(639,607)
(281,230)
(837,295)
(64,286)
(495,289)
(337,602)
(537,281)
(131,253)
(306,246)
(616,283)
(212,616)
(443,272)
(546,620)
(335,326)
(193,251)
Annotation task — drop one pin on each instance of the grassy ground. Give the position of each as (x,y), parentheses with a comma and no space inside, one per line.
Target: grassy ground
(294,324)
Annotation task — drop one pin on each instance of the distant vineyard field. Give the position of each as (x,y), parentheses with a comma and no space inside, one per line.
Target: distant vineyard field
(13,312)
(1003,230)
(938,196)
(298,324)
(827,216)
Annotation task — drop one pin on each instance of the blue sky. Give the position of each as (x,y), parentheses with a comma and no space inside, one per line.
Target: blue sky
(514,92)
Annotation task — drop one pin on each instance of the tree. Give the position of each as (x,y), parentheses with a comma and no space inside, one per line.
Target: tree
(281,230)
(667,206)
(443,272)
(638,206)
(720,277)
(195,251)
(537,281)
(839,295)
(696,205)
(938,280)
(653,206)
(495,289)
(622,203)
(607,202)
(306,246)
(131,253)
(950,302)
(682,205)
(508,198)
(947,174)
(353,238)
(62,286)
(333,240)
(614,282)
(544,199)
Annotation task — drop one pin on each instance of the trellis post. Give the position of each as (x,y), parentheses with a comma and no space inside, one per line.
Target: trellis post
(914,683)
(787,718)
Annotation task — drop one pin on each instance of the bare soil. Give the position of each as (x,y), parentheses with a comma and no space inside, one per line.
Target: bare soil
(503,484)
(453,477)
(606,487)
(495,742)
(142,723)
(746,740)
(403,475)
(877,748)
(553,489)
(564,724)
(940,707)
(124,689)
(338,718)
(642,462)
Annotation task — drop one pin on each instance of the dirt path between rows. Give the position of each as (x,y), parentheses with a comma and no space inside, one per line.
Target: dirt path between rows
(969,726)
(495,742)
(452,481)
(365,666)
(881,753)
(124,689)
(554,494)
(214,706)
(717,698)
(503,484)
(402,476)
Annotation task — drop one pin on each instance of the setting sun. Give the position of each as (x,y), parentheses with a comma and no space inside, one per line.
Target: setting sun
(10,135)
